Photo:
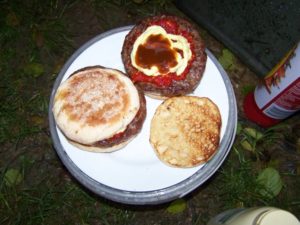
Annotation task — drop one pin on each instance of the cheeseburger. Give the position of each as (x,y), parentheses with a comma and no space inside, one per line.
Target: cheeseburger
(165,56)
(99,109)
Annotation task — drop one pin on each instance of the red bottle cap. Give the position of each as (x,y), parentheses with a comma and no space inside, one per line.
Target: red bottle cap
(254,114)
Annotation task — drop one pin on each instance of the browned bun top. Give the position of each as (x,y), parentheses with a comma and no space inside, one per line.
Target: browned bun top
(184,82)
(94,103)
(185,131)
(120,139)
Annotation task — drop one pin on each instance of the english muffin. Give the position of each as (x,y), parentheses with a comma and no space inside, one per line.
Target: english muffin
(165,56)
(99,109)
(185,131)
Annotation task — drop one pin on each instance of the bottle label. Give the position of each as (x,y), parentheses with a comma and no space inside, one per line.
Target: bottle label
(285,104)
(279,97)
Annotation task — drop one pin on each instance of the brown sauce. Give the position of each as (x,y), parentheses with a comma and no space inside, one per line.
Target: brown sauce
(156,51)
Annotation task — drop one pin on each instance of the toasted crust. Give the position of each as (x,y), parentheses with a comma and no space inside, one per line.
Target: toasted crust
(94,103)
(132,129)
(185,131)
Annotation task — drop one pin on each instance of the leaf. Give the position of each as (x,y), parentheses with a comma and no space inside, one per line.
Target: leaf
(247,146)
(239,128)
(12,177)
(34,69)
(227,59)
(37,120)
(246,89)
(253,133)
(274,163)
(270,181)
(177,206)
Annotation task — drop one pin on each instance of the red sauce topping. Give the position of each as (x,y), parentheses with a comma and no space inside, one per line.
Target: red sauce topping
(116,136)
(164,80)
(156,51)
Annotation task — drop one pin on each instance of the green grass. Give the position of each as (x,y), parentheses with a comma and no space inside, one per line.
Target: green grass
(110,11)
(238,184)
(32,33)
(68,204)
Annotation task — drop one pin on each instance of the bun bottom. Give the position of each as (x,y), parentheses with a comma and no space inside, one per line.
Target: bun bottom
(99,149)
(156,95)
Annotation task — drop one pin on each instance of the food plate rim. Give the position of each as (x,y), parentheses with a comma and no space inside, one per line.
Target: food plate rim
(146,197)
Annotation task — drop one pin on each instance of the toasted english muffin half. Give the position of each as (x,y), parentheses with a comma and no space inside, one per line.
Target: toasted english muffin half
(94,104)
(185,131)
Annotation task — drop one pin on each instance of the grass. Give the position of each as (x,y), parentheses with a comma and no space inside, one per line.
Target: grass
(239,184)
(238,180)
(53,205)
(34,42)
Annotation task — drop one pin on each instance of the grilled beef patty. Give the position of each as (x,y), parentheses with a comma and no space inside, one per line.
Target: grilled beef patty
(196,64)
(133,128)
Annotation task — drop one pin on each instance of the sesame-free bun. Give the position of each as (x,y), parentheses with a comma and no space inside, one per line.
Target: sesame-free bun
(94,104)
(185,131)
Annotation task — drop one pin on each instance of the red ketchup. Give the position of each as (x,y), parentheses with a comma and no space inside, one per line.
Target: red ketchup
(279,96)
(152,58)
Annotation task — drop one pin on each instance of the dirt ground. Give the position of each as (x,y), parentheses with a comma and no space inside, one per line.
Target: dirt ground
(87,19)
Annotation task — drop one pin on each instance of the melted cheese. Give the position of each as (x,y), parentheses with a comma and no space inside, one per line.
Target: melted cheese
(176,42)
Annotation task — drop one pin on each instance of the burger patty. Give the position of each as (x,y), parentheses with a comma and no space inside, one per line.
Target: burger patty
(131,130)
(197,65)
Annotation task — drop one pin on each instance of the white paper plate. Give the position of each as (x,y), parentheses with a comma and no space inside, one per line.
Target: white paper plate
(134,174)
